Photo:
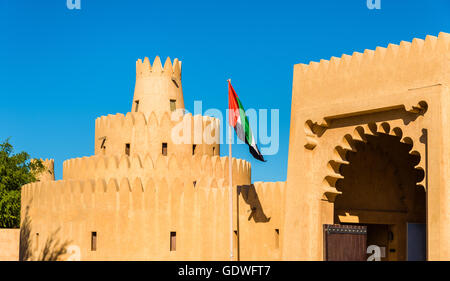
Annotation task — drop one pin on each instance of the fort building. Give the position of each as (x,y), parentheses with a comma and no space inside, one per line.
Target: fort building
(151,193)
(369,156)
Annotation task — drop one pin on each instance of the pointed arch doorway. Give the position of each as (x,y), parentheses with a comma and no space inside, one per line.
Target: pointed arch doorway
(379,191)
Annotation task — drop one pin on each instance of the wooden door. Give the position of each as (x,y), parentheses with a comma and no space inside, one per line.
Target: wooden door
(345,242)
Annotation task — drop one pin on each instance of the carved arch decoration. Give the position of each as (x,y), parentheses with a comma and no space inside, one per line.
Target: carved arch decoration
(359,134)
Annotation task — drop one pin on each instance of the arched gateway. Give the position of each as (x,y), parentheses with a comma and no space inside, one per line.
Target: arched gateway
(369,155)
(379,186)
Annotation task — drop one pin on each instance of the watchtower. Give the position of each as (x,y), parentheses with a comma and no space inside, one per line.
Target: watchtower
(157,89)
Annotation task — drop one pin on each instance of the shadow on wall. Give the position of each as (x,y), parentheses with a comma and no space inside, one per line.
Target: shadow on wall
(251,198)
(53,249)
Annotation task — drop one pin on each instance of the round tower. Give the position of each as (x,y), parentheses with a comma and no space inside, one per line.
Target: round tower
(48,174)
(157,89)
(150,128)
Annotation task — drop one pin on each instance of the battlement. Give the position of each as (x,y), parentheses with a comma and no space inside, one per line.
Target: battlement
(157,89)
(46,162)
(164,185)
(138,119)
(269,189)
(141,213)
(198,168)
(55,196)
(397,68)
(269,192)
(144,68)
(145,135)
(49,170)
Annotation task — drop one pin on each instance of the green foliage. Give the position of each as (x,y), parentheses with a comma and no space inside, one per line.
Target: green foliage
(15,171)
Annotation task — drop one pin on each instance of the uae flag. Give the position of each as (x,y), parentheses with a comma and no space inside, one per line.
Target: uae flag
(238,120)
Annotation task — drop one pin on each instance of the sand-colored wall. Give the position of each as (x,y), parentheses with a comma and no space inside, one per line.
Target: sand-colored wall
(156,86)
(133,219)
(48,174)
(261,209)
(372,74)
(146,134)
(9,244)
(400,90)
(190,168)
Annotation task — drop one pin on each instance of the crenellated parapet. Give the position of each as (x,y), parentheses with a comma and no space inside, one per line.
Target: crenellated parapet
(396,68)
(158,186)
(133,217)
(270,189)
(271,197)
(158,89)
(125,213)
(145,135)
(48,174)
(172,70)
(199,168)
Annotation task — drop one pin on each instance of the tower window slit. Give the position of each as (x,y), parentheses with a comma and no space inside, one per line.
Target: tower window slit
(164,148)
(277,238)
(127,149)
(94,241)
(103,146)
(173,241)
(173,105)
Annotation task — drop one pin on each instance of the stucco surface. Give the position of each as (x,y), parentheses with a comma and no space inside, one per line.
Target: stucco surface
(9,244)
(401,91)
(368,145)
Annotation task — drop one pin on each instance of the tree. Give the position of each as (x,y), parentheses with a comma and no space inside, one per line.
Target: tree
(15,171)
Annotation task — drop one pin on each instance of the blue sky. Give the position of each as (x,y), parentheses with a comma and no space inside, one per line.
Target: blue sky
(60,69)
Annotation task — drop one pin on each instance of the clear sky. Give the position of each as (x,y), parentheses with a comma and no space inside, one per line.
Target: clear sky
(60,69)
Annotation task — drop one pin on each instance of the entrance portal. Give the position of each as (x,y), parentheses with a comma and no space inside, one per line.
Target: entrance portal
(379,190)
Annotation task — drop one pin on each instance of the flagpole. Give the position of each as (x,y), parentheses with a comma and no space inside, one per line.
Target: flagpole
(231,195)
(230,168)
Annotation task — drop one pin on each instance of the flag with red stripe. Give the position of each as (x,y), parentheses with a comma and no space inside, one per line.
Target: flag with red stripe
(239,121)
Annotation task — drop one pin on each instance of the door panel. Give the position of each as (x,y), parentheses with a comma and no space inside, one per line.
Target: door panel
(345,242)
